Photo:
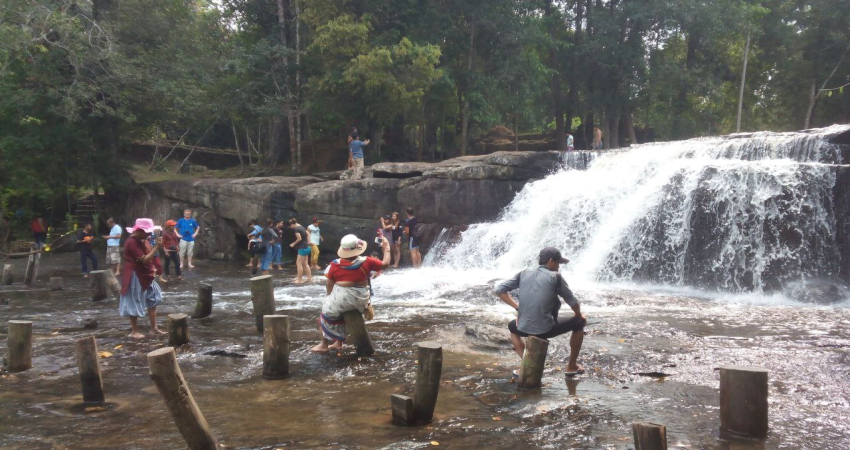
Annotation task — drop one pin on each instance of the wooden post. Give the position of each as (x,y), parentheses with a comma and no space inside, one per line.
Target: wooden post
(743,400)
(178,329)
(7,274)
(358,333)
(103,281)
(169,380)
(19,342)
(262,297)
(275,347)
(88,363)
(430,357)
(56,284)
(203,307)
(649,436)
(533,363)
(402,409)
(31,274)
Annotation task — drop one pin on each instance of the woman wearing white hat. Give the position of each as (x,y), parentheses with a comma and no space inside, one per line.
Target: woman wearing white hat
(140,294)
(348,288)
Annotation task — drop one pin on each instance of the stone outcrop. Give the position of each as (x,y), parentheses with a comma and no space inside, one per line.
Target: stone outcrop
(451,193)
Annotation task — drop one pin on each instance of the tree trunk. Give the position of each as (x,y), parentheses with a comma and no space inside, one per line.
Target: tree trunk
(557,106)
(236,140)
(464,113)
(630,127)
(614,129)
(743,82)
(606,135)
(812,98)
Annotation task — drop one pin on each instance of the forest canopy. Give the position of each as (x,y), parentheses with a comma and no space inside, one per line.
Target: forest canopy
(423,79)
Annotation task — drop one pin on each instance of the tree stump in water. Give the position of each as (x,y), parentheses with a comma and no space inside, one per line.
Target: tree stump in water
(88,364)
(102,282)
(178,329)
(203,307)
(533,363)
(56,284)
(402,406)
(743,400)
(358,334)
(428,371)
(275,347)
(19,342)
(31,274)
(169,380)
(7,275)
(649,436)
(262,297)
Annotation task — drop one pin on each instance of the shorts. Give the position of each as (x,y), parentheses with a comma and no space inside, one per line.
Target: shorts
(113,254)
(414,243)
(187,248)
(304,251)
(562,326)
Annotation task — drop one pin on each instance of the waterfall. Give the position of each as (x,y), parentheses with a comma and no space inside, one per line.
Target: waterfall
(741,213)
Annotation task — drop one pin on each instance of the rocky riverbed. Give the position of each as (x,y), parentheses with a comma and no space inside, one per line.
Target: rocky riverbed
(343,401)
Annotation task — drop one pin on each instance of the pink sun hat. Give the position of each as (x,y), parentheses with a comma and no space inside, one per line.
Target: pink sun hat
(144,224)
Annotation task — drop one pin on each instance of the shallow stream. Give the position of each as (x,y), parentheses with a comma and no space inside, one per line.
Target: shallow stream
(343,401)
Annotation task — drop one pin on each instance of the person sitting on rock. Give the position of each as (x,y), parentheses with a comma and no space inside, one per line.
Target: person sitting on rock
(538,306)
(348,289)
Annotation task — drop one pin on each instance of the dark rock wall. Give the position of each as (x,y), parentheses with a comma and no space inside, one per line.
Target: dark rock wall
(451,193)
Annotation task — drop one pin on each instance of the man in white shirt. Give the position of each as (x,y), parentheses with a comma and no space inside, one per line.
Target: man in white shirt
(113,245)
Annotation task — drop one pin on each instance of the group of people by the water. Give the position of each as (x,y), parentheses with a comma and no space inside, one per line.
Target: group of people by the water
(396,232)
(597,140)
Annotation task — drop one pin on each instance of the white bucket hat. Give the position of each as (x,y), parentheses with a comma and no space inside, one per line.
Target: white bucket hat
(350,246)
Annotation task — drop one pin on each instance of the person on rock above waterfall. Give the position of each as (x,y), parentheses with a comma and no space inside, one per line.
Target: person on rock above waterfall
(348,288)
(355,156)
(538,306)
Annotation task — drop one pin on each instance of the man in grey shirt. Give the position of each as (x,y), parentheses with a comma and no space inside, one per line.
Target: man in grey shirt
(538,307)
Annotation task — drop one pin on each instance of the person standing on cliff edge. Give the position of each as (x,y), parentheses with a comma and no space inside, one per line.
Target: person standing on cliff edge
(355,156)
(187,231)
(537,310)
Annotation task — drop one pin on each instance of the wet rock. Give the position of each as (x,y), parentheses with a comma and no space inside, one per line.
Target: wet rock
(488,336)
(225,353)
(89,324)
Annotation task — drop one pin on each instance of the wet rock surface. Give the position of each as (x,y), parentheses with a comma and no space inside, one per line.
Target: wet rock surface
(454,192)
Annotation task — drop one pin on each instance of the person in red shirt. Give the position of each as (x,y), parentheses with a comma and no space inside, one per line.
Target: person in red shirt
(348,288)
(171,244)
(140,294)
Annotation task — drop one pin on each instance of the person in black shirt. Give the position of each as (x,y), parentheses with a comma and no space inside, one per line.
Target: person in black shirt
(84,238)
(302,246)
(410,230)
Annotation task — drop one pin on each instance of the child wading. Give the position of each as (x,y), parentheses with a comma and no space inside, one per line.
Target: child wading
(348,289)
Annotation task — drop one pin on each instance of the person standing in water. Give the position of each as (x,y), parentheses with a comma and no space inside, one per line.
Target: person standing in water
(171,245)
(140,294)
(397,236)
(537,310)
(410,231)
(187,231)
(302,245)
(84,238)
(113,245)
(315,240)
(347,288)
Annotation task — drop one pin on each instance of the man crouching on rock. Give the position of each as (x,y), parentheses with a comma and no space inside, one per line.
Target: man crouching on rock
(538,307)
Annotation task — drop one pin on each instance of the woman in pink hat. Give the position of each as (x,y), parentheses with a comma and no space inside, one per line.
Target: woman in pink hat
(140,294)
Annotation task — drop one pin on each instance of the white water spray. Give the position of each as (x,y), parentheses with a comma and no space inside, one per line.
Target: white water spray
(745,213)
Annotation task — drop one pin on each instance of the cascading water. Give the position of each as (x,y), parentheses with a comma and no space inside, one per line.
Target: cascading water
(750,213)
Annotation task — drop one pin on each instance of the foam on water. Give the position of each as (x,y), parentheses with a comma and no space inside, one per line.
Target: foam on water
(736,214)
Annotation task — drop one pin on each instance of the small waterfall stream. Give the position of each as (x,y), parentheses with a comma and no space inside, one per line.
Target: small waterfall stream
(742,213)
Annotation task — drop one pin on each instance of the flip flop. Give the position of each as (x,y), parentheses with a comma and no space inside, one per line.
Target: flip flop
(580,371)
(514,377)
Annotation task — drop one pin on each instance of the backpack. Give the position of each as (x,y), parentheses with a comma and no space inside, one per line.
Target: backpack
(256,248)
